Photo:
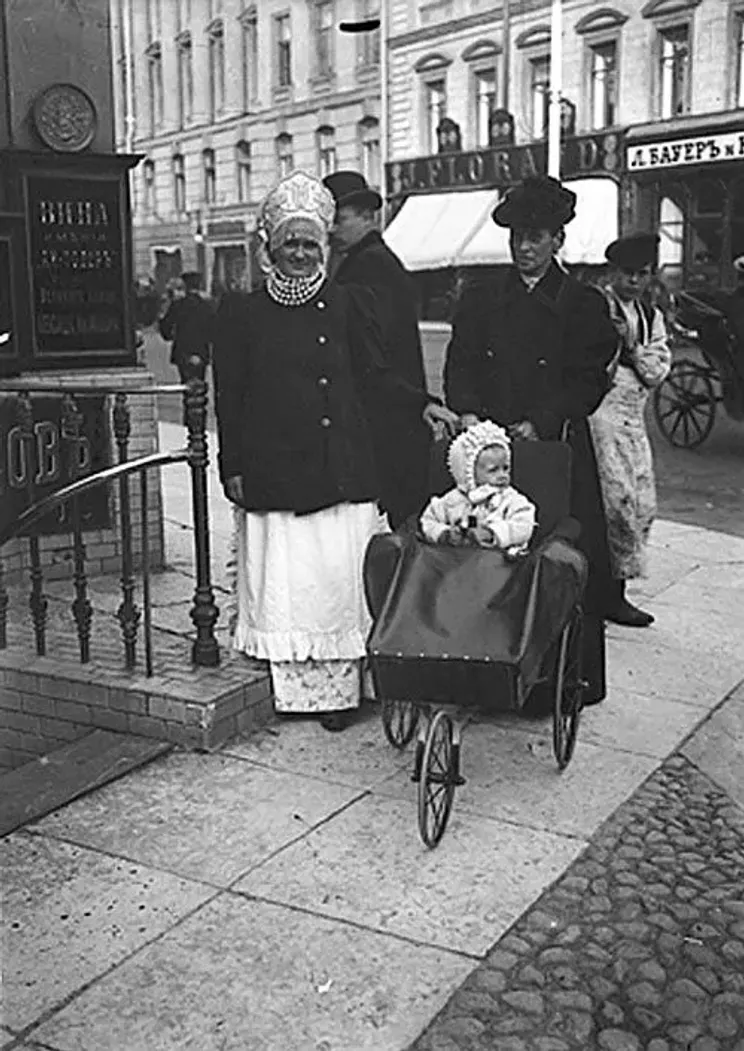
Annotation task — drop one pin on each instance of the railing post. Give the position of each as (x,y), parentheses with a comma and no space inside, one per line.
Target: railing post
(37,602)
(204,611)
(82,610)
(127,614)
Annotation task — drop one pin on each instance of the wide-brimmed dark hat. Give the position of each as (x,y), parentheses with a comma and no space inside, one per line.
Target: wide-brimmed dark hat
(537,203)
(634,251)
(350,187)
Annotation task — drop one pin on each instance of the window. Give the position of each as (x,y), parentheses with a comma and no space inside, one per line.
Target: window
(249,58)
(740,61)
(485,102)
(603,75)
(284,158)
(210,177)
(326,151)
(154,20)
(324,27)
(283,33)
(369,142)
(368,44)
(185,80)
(216,68)
(539,95)
(183,14)
(155,86)
(436,109)
(243,159)
(148,178)
(675,71)
(179,183)
(214,8)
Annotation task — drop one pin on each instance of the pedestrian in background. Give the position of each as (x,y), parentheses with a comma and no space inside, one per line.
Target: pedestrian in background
(618,426)
(400,432)
(187,324)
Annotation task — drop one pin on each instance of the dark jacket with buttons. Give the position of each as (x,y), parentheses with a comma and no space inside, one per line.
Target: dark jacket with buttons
(289,412)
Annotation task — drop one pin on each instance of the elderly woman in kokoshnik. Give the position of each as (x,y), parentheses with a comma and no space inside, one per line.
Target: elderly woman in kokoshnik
(296,459)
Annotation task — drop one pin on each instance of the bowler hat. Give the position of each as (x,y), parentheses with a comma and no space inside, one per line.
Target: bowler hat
(350,187)
(537,203)
(634,251)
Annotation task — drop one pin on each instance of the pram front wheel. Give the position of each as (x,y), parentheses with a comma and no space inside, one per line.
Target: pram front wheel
(399,721)
(568,688)
(439,776)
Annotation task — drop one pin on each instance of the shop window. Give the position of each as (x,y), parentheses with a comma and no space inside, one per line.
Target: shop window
(185,80)
(672,236)
(707,220)
(243,163)
(249,56)
(737,221)
(603,77)
(369,150)
(283,39)
(284,157)
(368,44)
(155,87)
(216,68)
(323,29)
(179,183)
(674,73)
(539,95)
(210,176)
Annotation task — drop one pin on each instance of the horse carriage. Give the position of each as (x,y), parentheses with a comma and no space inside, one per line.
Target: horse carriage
(463,629)
(707,371)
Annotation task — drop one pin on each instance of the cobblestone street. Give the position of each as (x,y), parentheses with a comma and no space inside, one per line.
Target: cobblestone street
(638,947)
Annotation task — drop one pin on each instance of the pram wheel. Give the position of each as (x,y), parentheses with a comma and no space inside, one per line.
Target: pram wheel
(399,721)
(568,686)
(439,776)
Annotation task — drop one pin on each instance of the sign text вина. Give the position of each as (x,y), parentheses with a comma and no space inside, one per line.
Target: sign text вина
(598,154)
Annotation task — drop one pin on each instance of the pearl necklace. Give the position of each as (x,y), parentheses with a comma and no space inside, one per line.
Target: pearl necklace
(293,291)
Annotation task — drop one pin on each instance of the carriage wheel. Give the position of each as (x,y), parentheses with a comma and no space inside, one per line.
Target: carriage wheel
(436,787)
(685,404)
(399,721)
(569,688)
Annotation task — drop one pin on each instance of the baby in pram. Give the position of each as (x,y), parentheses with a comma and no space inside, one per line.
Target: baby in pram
(483,509)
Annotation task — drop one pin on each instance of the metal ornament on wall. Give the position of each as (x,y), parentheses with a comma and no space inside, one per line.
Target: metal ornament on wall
(501,128)
(449,137)
(65,118)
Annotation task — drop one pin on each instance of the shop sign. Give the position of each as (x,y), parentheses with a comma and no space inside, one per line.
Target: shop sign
(504,166)
(44,461)
(702,149)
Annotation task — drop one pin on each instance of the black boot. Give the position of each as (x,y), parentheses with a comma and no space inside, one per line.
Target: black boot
(620,611)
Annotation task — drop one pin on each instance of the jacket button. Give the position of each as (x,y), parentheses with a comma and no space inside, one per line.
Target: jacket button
(542,362)
(323,381)
(321,304)
(322,339)
(325,422)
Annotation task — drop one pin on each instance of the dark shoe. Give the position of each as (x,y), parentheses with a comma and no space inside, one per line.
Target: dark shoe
(628,615)
(335,721)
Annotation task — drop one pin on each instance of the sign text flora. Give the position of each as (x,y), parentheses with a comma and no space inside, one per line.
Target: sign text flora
(703,149)
(598,154)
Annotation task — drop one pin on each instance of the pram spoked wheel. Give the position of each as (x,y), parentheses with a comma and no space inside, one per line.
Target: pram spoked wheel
(439,774)
(568,687)
(399,721)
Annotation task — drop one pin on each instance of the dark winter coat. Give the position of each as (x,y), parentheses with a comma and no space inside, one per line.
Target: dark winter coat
(401,438)
(289,413)
(189,323)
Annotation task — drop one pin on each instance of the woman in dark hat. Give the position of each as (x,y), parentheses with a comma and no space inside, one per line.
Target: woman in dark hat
(618,427)
(531,350)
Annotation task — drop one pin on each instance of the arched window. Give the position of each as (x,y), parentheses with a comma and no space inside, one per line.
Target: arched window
(369,151)
(284,157)
(326,143)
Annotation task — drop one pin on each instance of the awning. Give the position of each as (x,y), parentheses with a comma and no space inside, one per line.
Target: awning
(432,231)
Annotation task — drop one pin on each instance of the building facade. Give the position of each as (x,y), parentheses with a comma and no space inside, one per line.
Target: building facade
(656,106)
(222,97)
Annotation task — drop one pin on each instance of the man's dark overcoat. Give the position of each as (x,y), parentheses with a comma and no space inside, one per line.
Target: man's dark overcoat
(188,322)
(401,439)
(543,356)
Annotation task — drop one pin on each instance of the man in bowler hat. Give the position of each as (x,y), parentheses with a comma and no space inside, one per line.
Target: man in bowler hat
(188,324)
(402,441)
(530,349)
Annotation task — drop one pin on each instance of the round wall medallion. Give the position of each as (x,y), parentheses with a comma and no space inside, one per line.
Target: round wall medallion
(65,118)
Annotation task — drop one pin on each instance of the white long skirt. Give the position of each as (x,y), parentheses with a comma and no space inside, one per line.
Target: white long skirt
(300,601)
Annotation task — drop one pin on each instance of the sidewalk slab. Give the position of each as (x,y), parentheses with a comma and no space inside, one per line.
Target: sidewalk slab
(250,976)
(717,748)
(69,914)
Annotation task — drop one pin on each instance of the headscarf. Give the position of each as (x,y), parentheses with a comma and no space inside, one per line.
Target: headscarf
(299,202)
(466,447)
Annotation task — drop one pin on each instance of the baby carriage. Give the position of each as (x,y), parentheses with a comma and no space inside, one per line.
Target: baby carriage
(475,629)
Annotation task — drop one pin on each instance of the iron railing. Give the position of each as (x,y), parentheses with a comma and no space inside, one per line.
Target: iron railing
(204,612)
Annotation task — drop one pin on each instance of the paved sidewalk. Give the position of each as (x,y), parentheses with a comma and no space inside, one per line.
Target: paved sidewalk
(275,896)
